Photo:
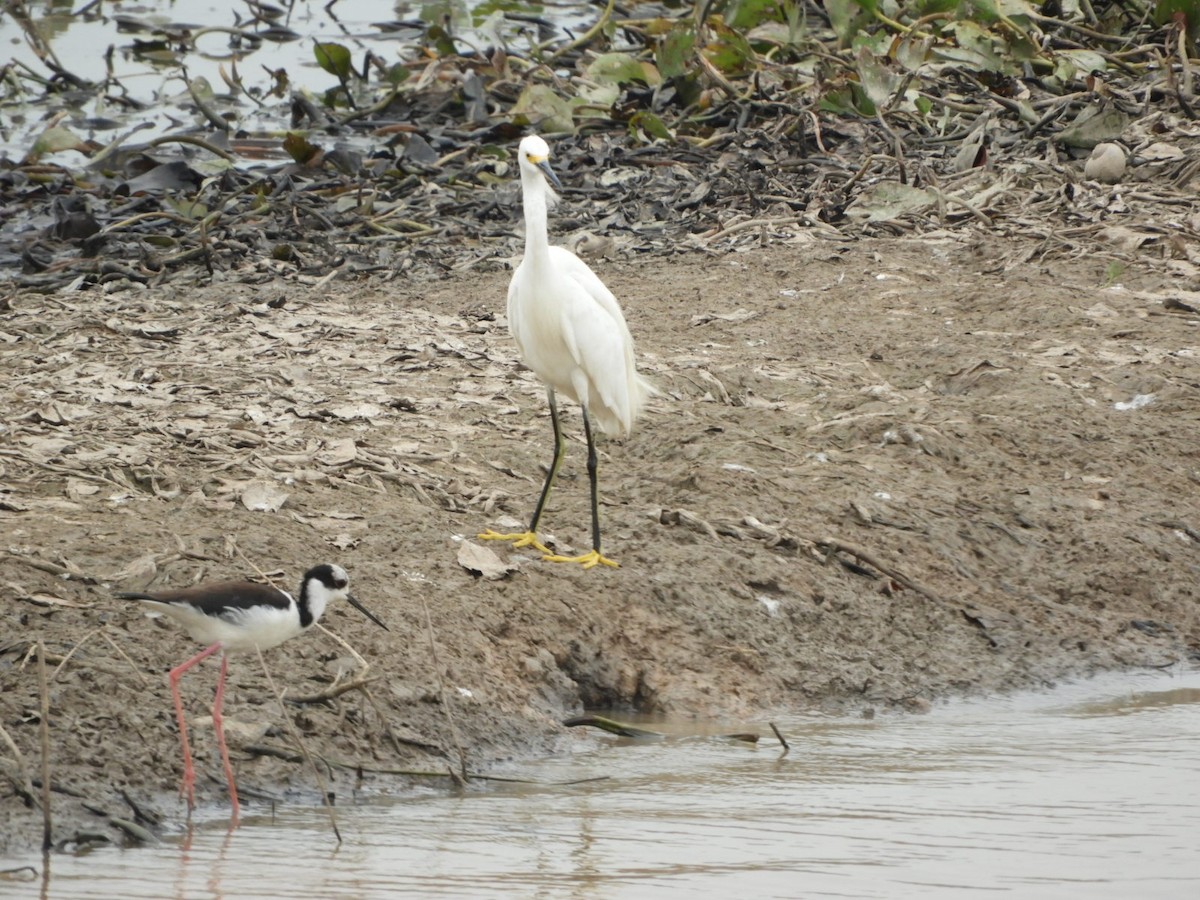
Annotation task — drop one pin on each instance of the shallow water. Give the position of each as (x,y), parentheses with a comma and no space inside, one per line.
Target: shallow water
(1090,790)
(155,79)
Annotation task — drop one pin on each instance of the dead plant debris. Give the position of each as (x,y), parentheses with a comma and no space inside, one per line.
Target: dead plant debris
(721,127)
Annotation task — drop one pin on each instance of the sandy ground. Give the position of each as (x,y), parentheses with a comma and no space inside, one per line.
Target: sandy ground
(880,473)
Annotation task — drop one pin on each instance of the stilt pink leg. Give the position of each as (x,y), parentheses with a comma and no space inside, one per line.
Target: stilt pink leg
(188,787)
(219,725)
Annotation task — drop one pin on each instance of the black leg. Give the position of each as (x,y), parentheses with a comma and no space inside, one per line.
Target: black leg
(559,449)
(591,469)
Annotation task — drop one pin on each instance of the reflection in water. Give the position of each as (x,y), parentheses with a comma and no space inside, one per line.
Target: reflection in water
(1084,792)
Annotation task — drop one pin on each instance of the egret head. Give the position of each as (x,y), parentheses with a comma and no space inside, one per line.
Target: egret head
(534,154)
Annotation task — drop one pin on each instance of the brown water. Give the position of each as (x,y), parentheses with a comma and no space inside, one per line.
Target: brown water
(1092,790)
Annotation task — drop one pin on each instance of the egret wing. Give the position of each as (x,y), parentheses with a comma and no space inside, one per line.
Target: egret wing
(582,273)
(599,341)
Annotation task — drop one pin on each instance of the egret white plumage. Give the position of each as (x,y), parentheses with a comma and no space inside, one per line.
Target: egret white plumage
(235,616)
(570,331)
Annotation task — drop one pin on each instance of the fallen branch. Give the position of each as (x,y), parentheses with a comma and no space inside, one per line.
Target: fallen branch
(334,690)
(45,565)
(836,546)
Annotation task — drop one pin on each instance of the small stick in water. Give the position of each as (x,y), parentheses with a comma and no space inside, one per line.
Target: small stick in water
(782,739)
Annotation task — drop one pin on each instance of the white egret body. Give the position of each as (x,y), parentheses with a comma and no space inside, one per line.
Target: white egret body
(572,334)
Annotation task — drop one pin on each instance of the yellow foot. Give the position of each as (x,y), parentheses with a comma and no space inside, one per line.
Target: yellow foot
(519,539)
(589,560)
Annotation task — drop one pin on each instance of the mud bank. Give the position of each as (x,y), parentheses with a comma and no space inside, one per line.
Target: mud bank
(879,473)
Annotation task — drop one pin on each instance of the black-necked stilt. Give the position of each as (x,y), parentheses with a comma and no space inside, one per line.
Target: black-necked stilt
(234,616)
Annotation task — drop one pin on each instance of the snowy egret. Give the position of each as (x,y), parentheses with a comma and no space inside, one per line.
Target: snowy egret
(238,616)
(570,331)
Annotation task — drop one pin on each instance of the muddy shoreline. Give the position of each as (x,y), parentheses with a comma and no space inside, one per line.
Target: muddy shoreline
(881,473)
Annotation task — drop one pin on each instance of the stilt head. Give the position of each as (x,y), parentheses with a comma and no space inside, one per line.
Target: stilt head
(321,586)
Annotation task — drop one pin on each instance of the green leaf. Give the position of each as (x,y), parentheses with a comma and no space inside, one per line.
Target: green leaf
(877,80)
(201,88)
(539,105)
(1070,64)
(839,100)
(299,148)
(1189,10)
(982,10)
(976,49)
(689,90)
(888,200)
(397,74)
(649,124)
(54,139)
(912,52)
(729,51)
(675,51)
(847,17)
(878,42)
(333,58)
(1094,125)
(746,14)
(863,104)
(336,97)
(928,7)
(595,100)
(443,43)
(1018,10)
(189,209)
(771,33)
(620,68)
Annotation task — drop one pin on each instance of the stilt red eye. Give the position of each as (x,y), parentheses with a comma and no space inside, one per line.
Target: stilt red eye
(340,583)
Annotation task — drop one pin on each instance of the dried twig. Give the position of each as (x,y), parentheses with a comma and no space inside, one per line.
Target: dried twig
(45,565)
(79,643)
(890,571)
(44,695)
(345,644)
(103,632)
(194,141)
(125,656)
(22,783)
(326,797)
(460,777)
(334,690)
